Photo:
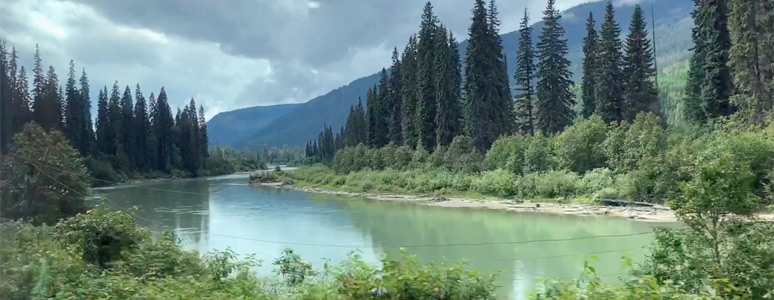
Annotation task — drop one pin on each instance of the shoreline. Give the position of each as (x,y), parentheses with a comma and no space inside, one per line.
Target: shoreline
(655,213)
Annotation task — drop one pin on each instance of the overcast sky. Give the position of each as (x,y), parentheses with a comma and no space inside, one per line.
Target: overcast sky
(229,54)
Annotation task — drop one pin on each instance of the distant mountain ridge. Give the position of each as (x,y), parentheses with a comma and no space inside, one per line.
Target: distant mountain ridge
(232,127)
(304,121)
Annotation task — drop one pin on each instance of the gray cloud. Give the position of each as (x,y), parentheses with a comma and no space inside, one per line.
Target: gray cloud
(230,54)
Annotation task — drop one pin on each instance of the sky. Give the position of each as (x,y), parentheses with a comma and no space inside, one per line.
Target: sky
(229,54)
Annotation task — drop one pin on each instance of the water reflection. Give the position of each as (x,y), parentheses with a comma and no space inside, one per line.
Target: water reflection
(222,212)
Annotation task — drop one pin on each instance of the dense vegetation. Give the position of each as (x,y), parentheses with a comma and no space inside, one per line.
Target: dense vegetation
(131,137)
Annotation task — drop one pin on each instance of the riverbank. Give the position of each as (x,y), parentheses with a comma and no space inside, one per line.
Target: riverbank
(654,213)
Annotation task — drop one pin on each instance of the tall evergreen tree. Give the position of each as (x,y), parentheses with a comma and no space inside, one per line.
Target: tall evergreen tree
(751,25)
(525,73)
(610,85)
(141,131)
(21,101)
(73,113)
(554,98)
(426,79)
(640,94)
(6,121)
(39,106)
(153,117)
(377,125)
(409,92)
(128,139)
(204,140)
(86,134)
(709,75)
(116,121)
(448,115)
(105,138)
(504,115)
(395,100)
(162,124)
(590,68)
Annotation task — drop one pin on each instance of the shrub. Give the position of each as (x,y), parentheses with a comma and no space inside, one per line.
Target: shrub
(578,146)
(497,182)
(507,153)
(538,157)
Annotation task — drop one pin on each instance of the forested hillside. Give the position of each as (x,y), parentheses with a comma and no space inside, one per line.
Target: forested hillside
(673,31)
(228,128)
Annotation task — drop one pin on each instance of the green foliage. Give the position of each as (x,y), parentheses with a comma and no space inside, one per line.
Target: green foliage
(744,268)
(292,268)
(103,254)
(578,146)
(554,98)
(46,177)
(591,286)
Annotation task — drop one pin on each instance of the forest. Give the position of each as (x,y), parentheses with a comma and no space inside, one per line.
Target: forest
(435,124)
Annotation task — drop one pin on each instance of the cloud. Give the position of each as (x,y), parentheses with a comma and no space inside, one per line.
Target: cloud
(230,54)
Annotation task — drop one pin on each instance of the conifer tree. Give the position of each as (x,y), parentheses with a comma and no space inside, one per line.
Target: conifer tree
(426,79)
(127,135)
(116,123)
(86,128)
(6,121)
(409,93)
(709,76)
(554,98)
(21,101)
(204,140)
(162,124)
(504,115)
(395,100)
(590,68)
(105,141)
(73,112)
(610,86)
(751,25)
(377,134)
(39,108)
(640,94)
(525,72)
(153,117)
(141,131)
(448,114)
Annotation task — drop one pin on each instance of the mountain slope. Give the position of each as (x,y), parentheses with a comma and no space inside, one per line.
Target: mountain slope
(673,39)
(232,127)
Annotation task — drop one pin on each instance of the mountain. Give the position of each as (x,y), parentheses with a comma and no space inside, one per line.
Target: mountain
(232,127)
(673,40)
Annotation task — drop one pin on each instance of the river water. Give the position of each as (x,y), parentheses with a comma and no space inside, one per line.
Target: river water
(220,212)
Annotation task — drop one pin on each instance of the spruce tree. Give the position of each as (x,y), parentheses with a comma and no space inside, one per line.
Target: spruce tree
(395,100)
(127,127)
(640,94)
(6,121)
(448,115)
(504,115)
(39,108)
(105,141)
(153,117)
(141,131)
(408,93)
(590,68)
(377,134)
(73,112)
(709,75)
(610,85)
(21,101)
(116,122)
(426,79)
(86,134)
(204,140)
(751,26)
(162,124)
(525,72)
(554,98)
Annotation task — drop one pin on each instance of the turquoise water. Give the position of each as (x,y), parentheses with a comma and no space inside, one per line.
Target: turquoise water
(221,212)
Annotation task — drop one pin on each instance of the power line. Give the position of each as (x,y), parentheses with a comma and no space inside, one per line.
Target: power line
(434,245)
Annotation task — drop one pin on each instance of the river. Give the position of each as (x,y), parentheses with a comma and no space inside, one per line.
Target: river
(220,212)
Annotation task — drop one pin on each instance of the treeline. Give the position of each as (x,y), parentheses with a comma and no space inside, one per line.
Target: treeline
(424,101)
(131,135)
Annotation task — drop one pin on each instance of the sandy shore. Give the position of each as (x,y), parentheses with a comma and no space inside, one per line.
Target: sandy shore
(656,213)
